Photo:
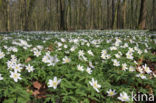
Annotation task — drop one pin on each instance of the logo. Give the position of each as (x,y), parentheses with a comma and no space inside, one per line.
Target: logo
(142,97)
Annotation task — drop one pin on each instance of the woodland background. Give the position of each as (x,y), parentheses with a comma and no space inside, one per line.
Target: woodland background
(41,15)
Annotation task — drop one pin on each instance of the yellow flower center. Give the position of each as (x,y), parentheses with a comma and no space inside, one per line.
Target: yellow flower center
(124,98)
(111,93)
(95,85)
(55,84)
(15,76)
(16,67)
(66,60)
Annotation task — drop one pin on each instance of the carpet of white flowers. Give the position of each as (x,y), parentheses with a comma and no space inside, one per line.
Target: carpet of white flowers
(76,67)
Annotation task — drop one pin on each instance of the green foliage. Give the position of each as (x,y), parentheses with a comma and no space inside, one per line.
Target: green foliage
(75,86)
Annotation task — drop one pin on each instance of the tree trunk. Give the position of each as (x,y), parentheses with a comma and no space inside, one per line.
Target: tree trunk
(62,22)
(113,10)
(25,16)
(124,14)
(115,24)
(132,15)
(153,15)
(107,14)
(8,15)
(142,17)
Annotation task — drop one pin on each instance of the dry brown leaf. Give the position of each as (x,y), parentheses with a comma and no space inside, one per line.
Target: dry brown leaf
(41,90)
(50,47)
(150,89)
(28,59)
(35,93)
(37,85)
(140,61)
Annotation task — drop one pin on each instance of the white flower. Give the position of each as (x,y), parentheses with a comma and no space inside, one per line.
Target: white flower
(91,65)
(139,52)
(81,53)
(13,59)
(76,41)
(63,40)
(124,66)
(140,69)
(89,70)
(104,52)
(79,67)
(131,69)
(115,62)
(113,48)
(104,56)
(72,48)
(136,48)
(82,43)
(84,58)
(145,51)
(108,56)
(15,76)
(40,47)
(124,97)
(66,60)
(59,44)
(147,69)
(94,84)
(17,67)
(129,55)
(117,56)
(118,41)
(125,45)
(24,47)
(135,62)
(65,46)
(5,47)
(54,83)
(111,92)
(53,60)
(10,64)
(131,50)
(50,60)
(90,53)
(142,76)
(34,49)
(45,59)
(1,55)
(1,78)
(29,68)
(88,44)
(14,49)
(37,53)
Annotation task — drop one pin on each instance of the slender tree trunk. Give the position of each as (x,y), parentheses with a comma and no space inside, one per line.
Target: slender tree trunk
(92,15)
(62,22)
(25,16)
(8,15)
(115,24)
(107,14)
(118,15)
(124,13)
(132,15)
(153,14)
(113,14)
(57,13)
(142,17)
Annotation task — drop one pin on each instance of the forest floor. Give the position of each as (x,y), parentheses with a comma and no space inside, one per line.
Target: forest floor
(90,66)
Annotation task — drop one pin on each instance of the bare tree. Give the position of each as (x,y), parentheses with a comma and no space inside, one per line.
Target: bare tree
(142,17)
